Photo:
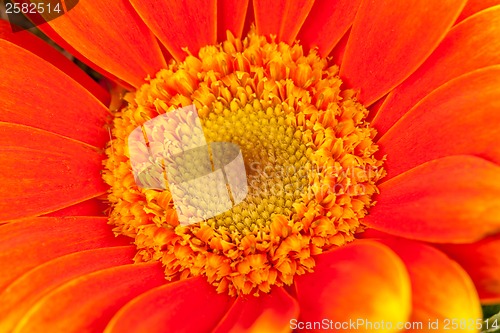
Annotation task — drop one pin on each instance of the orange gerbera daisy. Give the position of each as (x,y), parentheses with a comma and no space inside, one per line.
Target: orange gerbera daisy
(369,132)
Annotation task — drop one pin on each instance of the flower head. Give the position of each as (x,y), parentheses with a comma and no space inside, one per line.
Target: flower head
(368,135)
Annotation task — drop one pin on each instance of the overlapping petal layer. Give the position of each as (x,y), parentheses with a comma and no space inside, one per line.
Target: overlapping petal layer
(474,6)
(91,207)
(378,56)
(327,22)
(87,303)
(364,280)
(457,54)
(449,200)
(35,93)
(24,292)
(187,24)
(281,18)
(190,305)
(112,35)
(41,172)
(231,16)
(441,287)
(43,50)
(481,261)
(460,117)
(266,313)
(32,242)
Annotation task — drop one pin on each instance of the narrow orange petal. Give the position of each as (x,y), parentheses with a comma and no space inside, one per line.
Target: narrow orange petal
(474,6)
(24,292)
(35,93)
(457,55)
(111,35)
(440,288)
(482,262)
(249,19)
(454,199)
(361,281)
(370,233)
(188,24)
(87,303)
(293,18)
(37,46)
(375,107)
(268,16)
(338,51)
(32,242)
(52,34)
(41,172)
(461,117)
(42,25)
(391,39)
(281,17)
(231,16)
(327,22)
(92,207)
(267,313)
(190,305)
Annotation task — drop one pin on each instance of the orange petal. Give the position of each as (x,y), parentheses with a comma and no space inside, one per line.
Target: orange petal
(47,30)
(190,305)
(391,39)
(370,233)
(231,16)
(35,93)
(339,50)
(327,22)
(92,207)
(41,172)
(29,243)
(266,313)
(181,24)
(87,303)
(474,6)
(361,281)
(281,17)
(111,35)
(373,109)
(249,19)
(460,117)
(42,25)
(37,46)
(482,262)
(440,288)
(454,199)
(458,54)
(24,292)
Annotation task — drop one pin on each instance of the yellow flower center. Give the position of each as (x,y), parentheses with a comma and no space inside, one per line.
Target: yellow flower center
(307,149)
